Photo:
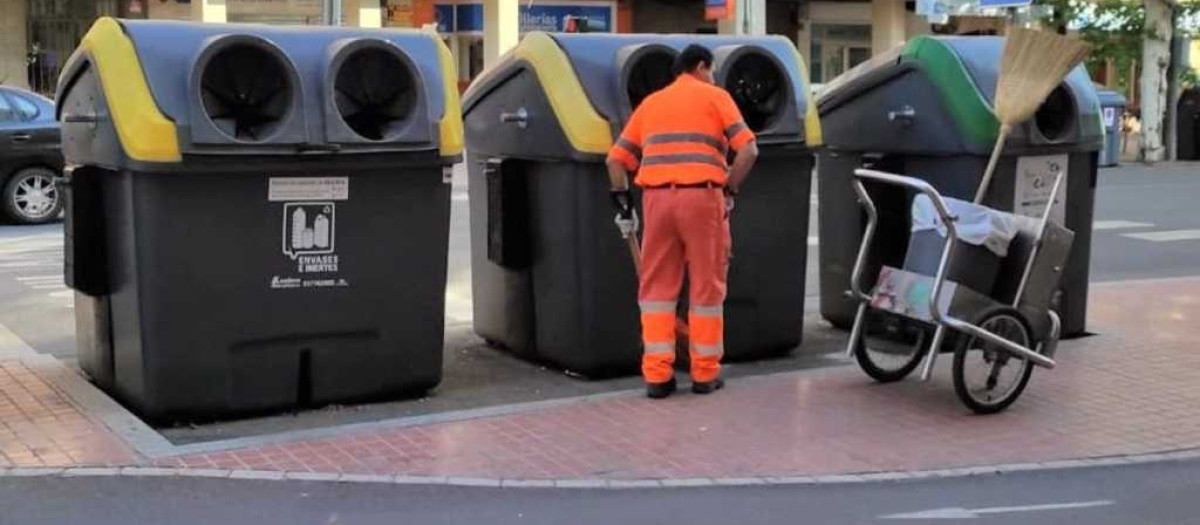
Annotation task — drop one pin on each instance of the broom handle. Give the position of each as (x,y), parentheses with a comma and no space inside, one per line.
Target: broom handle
(991,167)
(635,251)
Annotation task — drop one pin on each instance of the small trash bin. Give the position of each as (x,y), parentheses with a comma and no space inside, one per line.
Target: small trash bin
(1188,125)
(924,109)
(257,217)
(1112,106)
(552,278)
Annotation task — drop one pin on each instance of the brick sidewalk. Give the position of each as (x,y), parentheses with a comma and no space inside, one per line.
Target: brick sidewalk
(40,426)
(1131,390)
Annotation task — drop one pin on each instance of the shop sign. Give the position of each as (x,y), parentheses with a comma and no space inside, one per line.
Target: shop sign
(542,17)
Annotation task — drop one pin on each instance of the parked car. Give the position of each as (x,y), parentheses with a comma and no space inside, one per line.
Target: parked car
(30,157)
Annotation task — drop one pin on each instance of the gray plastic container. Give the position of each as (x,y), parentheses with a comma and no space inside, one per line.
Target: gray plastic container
(1112,106)
(249,226)
(552,278)
(924,110)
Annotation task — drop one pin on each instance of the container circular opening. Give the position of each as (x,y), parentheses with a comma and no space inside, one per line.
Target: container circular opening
(1056,115)
(246,91)
(759,88)
(650,72)
(375,92)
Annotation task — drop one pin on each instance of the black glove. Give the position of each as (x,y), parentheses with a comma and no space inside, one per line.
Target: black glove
(622,200)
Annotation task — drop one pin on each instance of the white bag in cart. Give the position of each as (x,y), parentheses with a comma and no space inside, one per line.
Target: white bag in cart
(977,225)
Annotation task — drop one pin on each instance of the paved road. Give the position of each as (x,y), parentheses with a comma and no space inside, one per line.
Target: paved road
(1144,494)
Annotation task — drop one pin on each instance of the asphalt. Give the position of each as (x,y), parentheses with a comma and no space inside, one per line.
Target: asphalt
(1144,494)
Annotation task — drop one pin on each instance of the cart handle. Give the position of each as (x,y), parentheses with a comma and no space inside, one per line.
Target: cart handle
(947,252)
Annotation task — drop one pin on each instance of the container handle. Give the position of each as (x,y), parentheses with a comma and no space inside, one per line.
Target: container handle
(905,115)
(521,118)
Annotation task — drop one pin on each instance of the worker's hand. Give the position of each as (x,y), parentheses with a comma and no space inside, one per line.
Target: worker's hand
(729,204)
(627,225)
(622,201)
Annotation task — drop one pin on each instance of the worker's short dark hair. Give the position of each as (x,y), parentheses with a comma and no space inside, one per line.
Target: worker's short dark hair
(691,58)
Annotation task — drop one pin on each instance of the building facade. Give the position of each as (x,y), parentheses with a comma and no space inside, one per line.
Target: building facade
(36,36)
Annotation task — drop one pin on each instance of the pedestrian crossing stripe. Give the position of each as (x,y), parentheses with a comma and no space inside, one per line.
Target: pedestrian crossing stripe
(1119,225)
(1165,236)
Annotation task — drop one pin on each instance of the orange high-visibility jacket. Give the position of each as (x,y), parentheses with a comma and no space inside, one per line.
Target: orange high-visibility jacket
(681,135)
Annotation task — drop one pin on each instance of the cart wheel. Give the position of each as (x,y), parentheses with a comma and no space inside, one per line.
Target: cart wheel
(986,378)
(892,358)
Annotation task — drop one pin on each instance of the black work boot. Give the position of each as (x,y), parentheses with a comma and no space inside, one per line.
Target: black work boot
(660,390)
(708,387)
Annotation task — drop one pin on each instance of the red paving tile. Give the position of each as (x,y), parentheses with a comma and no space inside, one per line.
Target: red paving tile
(41,427)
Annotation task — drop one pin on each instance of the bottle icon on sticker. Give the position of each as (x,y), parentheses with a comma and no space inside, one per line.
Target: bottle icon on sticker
(308,228)
(321,231)
(299,221)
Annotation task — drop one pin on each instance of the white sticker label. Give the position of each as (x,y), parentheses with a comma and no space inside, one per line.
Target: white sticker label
(1035,181)
(309,229)
(310,241)
(284,189)
(1110,117)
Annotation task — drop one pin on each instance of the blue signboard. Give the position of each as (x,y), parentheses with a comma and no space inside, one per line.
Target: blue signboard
(1004,3)
(468,17)
(550,18)
(444,14)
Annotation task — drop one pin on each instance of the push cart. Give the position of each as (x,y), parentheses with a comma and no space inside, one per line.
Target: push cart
(976,281)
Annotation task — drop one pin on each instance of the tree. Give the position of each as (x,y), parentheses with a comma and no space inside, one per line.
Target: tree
(1156,60)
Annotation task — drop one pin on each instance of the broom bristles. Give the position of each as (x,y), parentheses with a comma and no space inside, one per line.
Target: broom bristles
(1034,63)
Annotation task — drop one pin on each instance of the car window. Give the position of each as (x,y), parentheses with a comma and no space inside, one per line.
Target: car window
(25,108)
(6,110)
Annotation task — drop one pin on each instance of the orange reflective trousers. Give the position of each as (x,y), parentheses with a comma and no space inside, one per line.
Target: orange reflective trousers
(686,229)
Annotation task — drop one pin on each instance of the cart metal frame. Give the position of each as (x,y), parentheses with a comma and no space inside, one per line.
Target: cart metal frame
(1039,356)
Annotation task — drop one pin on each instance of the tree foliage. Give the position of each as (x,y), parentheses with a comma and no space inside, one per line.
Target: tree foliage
(1115,29)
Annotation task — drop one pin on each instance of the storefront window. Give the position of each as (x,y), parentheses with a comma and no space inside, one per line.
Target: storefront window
(476,50)
(838,47)
(54,28)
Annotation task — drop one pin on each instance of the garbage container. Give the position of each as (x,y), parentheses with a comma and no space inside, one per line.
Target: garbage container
(924,109)
(257,217)
(1112,105)
(552,278)
(1188,125)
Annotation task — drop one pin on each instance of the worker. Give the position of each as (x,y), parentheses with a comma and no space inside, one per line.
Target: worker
(677,142)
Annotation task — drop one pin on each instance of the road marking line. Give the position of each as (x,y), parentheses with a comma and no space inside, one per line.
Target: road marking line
(37,278)
(955,513)
(27,264)
(18,240)
(814,241)
(54,286)
(1165,236)
(64,293)
(1119,225)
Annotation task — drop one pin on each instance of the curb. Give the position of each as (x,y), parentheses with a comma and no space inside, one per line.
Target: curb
(600,483)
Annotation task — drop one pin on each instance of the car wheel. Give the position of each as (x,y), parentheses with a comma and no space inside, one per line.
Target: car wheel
(31,196)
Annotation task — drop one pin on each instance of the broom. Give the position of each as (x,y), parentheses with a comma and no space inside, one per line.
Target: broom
(620,183)
(1033,64)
